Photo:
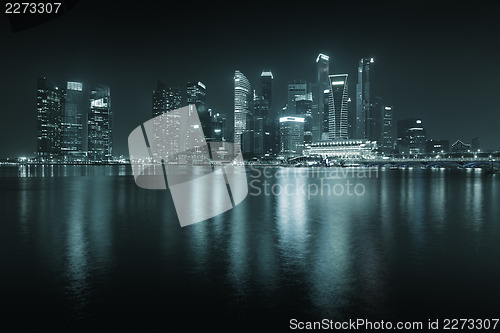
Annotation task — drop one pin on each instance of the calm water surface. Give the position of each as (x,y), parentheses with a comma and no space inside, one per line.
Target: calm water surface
(84,247)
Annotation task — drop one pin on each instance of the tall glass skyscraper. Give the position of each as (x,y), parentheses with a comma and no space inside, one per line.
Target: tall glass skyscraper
(364,100)
(337,117)
(100,142)
(266,91)
(242,106)
(291,136)
(72,121)
(166,98)
(49,115)
(387,137)
(320,95)
(295,88)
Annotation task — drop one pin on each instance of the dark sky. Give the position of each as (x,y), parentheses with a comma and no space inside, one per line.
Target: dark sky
(434,60)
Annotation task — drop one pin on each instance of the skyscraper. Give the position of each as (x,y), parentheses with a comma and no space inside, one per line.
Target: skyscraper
(337,118)
(291,136)
(242,106)
(364,100)
(48,119)
(197,94)
(303,104)
(266,91)
(387,140)
(411,136)
(166,98)
(295,88)
(72,121)
(320,94)
(100,142)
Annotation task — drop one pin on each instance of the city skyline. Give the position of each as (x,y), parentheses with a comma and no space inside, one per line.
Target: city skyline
(425,62)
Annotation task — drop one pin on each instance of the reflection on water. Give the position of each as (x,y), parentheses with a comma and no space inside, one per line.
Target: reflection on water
(88,244)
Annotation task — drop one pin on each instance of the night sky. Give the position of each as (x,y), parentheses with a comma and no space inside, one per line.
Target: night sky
(436,61)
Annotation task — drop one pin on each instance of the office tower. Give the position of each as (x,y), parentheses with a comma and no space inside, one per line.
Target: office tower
(411,136)
(218,131)
(295,88)
(291,136)
(266,134)
(364,100)
(266,92)
(387,139)
(48,119)
(242,106)
(100,142)
(303,105)
(337,119)
(196,93)
(320,94)
(72,121)
(261,109)
(166,98)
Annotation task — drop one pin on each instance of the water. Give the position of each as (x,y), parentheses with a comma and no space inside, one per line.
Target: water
(84,247)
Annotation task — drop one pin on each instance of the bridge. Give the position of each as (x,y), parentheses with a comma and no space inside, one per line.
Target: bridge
(446,162)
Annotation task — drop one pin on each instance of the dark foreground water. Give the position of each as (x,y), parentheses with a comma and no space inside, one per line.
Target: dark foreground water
(84,247)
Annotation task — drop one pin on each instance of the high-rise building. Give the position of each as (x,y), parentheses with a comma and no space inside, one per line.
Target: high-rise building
(100,142)
(196,93)
(49,115)
(411,136)
(303,104)
(243,96)
(337,119)
(291,136)
(72,121)
(386,141)
(364,100)
(320,95)
(295,88)
(166,98)
(266,91)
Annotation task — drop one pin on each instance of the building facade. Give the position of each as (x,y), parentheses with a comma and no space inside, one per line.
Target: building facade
(73,109)
(99,123)
(364,99)
(411,136)
(291,136)
(49,116)
(338,122)
(242,106)
(166,98)
(320,96)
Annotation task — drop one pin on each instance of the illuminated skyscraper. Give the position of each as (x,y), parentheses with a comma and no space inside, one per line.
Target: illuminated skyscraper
(337,118)
(266,91)
(320,94)
(291,136)
(72,121)
(387,138)
(166,98)
(295,88)
(242,106)
(364,100)
(411,136)
(100,142)
(49,115)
